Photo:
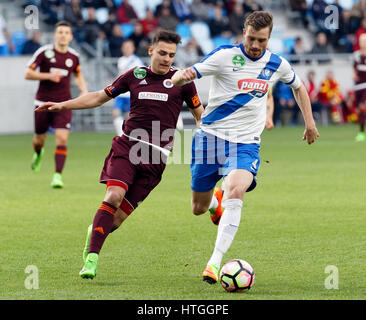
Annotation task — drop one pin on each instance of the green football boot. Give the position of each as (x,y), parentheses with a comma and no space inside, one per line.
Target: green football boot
(57,181)
(87,243)
(361,136)
(37,160)
(89,270)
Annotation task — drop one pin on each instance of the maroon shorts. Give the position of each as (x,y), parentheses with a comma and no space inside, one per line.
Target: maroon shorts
(135,171)
(56,120)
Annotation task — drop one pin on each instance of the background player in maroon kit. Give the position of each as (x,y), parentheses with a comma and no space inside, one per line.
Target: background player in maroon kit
(359,71)
(56,63)
(136,161)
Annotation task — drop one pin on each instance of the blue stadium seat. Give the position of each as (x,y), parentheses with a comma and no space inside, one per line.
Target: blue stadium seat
(220,41)
(184,31)
(117,2)
(127,29)
(4,50)
(288,44)
(18,38)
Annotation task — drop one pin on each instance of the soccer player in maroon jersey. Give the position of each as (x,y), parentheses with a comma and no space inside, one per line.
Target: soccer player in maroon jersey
(136,161)
(359,72)
(56,62)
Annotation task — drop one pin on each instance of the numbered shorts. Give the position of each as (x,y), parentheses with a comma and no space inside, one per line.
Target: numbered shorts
(123,168)
(213,158)
(56,120)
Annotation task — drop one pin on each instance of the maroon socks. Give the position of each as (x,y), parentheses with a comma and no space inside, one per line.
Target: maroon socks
(102,226)
(60,157)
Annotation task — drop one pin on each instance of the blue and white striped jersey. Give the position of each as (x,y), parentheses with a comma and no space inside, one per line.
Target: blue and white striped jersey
(237,102)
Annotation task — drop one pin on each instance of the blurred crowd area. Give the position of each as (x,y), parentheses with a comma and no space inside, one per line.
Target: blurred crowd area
(204,25)
(329,104)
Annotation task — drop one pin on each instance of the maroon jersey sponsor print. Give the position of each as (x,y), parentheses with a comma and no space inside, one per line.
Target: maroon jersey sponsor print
(155,103)
(48,59)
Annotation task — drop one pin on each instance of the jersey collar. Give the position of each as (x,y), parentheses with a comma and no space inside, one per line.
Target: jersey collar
(253,59)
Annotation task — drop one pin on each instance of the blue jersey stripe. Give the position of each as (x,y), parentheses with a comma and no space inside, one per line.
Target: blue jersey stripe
(227,108)
(292,81)
(271,67)
(226,46)
(241,99)
(199,76)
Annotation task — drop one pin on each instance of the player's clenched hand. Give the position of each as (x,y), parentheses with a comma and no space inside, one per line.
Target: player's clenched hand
(269,124)
(189,74)
(184,76)
(310,134)
(55,77)
(49,106)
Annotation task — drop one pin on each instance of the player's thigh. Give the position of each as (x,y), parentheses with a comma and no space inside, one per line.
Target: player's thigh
(118,169)
(141,187)
(237,182)
(61,136)
(42,121)
(205,169)
(240,169)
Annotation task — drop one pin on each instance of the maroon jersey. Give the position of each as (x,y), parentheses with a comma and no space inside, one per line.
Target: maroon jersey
(155,103)
(48,59)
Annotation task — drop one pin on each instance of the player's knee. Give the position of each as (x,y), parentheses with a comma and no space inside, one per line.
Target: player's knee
(114,196)
(198,208)
(236,192)
(39,139)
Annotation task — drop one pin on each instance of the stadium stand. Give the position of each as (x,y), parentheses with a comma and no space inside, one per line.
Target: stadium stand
(203,25)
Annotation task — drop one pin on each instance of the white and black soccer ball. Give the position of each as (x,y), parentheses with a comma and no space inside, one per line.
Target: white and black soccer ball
(237,276)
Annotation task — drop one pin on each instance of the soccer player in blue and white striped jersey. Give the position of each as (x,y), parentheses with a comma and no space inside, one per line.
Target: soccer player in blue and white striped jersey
(228,142)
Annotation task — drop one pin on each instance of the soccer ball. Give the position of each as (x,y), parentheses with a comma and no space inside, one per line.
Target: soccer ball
(237,276)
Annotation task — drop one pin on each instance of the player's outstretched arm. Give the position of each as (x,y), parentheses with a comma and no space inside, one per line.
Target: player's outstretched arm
(302,98)
(184,76)
(87,101)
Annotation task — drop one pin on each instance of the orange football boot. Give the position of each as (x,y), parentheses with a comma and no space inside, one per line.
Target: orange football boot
(210,274)
(215,214)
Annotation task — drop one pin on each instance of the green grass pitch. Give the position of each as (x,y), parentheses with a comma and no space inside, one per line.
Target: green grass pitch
(308,212)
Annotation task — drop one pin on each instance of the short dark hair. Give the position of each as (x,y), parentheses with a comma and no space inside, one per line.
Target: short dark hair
(63,23)
(259,20)
(166,36)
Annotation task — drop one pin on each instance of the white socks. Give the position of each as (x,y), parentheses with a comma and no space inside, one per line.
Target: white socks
(117,122)
(227,229)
